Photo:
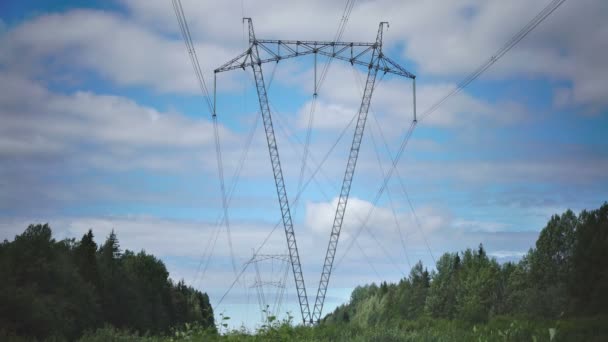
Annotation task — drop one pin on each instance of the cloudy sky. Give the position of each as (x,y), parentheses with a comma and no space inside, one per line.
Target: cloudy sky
(102,126)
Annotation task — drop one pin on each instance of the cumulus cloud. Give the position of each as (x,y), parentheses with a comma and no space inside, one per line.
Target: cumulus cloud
(107,44)
(447,40)
(37,121)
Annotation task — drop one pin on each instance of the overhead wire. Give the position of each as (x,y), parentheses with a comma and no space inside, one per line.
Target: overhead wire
(535,22)
(379,193)
(348,9)
(367,259)
(407,197)
(185,31)
(400,179)
(521,34)
(290,139)
(339,32)
(296,199)
(338,36)
(220,170)
(235,181)
(187,37)
(540,17)
(363,222)
(390,198)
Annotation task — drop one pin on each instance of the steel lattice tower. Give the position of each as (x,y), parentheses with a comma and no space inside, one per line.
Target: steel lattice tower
(369,55)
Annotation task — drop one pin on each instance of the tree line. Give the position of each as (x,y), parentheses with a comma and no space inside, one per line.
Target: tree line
(557,292)
(60,289)
(565,275)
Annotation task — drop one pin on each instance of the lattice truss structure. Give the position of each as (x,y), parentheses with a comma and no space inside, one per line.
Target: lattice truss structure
(367,55)
(270,291)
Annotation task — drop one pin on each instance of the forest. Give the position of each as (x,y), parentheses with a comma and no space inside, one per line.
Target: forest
(74,290)
(58,290)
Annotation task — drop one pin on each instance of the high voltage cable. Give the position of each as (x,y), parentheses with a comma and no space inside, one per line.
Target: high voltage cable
(297,198)
(341,26)
(535,22)
(220,219)
(550,8)
(185,30)
(532,24)
(220,170)
(328,198)
(235,180)
(371,265)
(379,193)
(311,116)
(390,198)
(400,179)
(363,222)
(293,136)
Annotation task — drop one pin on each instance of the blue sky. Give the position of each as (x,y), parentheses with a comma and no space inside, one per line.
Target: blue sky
(103,127)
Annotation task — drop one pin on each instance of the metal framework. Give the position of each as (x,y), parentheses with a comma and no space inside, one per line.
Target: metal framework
(368,55)
(265,309)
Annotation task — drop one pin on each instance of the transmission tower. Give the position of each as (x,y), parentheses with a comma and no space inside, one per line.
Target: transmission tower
(270,306)
(368,55)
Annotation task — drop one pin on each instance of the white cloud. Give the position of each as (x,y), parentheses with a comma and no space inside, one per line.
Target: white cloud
(332,116)
(441,231)
(108,44)
(189,240)
(447,40)
(143,48)
(392,103)
(112,128)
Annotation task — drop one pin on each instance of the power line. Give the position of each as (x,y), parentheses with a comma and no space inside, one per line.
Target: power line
(327,197)
(541,16)
(252,58)
(400,179)
(235,181)
(532,24)
(290,138)
(220,170)
(378,193)
(390,198)
(185,31)
(341,26)
(297,198)
(350,4)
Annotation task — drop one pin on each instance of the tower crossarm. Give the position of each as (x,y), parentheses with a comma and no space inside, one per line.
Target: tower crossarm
(358,53)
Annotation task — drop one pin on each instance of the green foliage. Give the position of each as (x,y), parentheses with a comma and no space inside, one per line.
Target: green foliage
(565,275)
(497,329)
(588,279)
(557,292)
(441,300)
(59,289)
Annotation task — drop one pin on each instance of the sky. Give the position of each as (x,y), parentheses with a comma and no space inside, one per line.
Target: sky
(103,126)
